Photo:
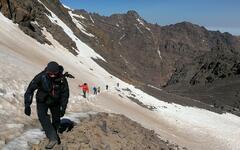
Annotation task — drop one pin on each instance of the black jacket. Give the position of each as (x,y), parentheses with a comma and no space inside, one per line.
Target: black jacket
(54,89)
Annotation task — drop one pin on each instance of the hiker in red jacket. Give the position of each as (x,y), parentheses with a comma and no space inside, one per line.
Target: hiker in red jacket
(85,89)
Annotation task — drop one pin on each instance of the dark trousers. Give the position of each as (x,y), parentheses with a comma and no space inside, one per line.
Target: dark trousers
(84,94)
(49,127)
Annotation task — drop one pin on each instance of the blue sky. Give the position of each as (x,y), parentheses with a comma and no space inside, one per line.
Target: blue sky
(223,15)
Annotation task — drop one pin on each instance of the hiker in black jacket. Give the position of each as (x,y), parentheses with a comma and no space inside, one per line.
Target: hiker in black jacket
(52,93)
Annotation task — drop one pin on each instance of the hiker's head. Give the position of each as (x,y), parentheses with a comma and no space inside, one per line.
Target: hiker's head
(85,83)
(52,69)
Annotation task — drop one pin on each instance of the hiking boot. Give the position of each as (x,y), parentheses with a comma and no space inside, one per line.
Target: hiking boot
(51,144)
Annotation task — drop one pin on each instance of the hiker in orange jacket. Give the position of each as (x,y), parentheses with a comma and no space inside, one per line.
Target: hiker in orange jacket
(85,89)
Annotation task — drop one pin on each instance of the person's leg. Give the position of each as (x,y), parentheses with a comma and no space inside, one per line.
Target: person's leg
(55,111)
(45,121)
(84,94)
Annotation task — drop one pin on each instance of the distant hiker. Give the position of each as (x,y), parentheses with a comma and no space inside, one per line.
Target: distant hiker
(98,89)
(52,93)
(85,89)
(65,125)
(106,87)
(94,90)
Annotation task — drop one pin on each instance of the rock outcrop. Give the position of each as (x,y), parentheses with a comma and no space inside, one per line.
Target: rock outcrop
(109,131)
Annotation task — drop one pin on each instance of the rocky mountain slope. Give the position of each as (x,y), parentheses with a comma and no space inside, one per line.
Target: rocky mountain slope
(212,77)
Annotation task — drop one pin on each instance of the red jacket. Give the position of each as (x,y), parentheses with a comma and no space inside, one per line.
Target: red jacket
(84,88)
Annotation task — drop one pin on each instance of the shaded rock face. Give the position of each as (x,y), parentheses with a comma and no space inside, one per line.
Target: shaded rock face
(212,78)
(110,131)
(144,53)
(208,68)
(24,13)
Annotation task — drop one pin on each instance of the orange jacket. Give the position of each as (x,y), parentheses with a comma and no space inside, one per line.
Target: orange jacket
(84,88)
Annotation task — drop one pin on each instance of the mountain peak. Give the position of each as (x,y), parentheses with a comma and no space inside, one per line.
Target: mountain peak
(133,13)
(186,24)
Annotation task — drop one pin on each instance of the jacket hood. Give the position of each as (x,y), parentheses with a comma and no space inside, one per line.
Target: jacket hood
(52,67)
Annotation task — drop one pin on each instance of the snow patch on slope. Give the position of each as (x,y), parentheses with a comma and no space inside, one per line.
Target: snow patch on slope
(138,28)
(91,19)
(83,49)
(32,136)
(78,16)
(83,64)
(67,7)
(79,25)
(149,85)
(142,23)
(119,42)
(159,53)
(224,128)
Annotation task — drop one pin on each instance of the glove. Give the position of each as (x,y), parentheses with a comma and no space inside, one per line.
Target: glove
(27,110)
(66,74)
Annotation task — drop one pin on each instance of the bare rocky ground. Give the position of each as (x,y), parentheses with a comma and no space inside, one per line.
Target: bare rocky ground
(109,132)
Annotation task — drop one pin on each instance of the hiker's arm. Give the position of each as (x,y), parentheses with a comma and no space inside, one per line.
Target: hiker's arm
(87,90)
(28,96)
(64,95)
